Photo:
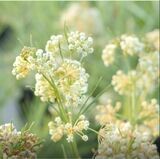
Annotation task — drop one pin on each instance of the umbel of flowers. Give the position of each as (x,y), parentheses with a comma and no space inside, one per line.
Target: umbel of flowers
(134,81)
(61,80)
(17,144)
(138,109)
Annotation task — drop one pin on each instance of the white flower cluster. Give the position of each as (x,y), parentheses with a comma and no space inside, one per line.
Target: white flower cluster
(53,45)
(124,83)
(21,66)
(57,76)
(43,89)
(107,113)
(80,43)
(153,38)
(149,116)
(131,45)
(149,65)
(108,54)
(147,70)
(70,79)
(8,132)
(124,143)
(58,129)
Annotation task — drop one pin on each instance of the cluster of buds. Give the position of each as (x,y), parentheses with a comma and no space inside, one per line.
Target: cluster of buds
(80,43)
(58,129)
(124,142)
(17,144)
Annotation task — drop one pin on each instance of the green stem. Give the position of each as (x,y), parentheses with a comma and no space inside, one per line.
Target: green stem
(133,106)
(64,152)
(75,153)
(59,102)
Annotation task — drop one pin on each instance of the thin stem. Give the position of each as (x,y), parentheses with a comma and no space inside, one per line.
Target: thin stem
(133,105)
(60,51)
(90,104)
(85,102)
(59,102)
(94,131)
(75,152)
(64,152)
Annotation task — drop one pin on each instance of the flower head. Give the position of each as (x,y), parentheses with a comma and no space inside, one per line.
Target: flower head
(107,113)
(53,45)
(80,43)
(108,54)
(84,18)
(153,38)
(149,116)
(124,142)
(131,45)
(22,65)
(123,84)
(17,144)
(58,129)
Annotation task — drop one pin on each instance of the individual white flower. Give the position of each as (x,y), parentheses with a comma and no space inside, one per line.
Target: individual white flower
(131,45)
(85,137)
(80,43)
(108,54)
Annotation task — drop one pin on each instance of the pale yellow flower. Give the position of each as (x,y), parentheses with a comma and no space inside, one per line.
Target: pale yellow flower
(153,37)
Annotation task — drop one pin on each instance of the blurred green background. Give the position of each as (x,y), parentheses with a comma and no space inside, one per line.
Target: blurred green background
(32,23)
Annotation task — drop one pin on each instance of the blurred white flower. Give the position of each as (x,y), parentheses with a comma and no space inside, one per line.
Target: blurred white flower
(153,38)
(108,54)
(131,45)
(84,18)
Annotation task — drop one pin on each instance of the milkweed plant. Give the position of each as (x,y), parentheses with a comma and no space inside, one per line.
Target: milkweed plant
(128,127)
